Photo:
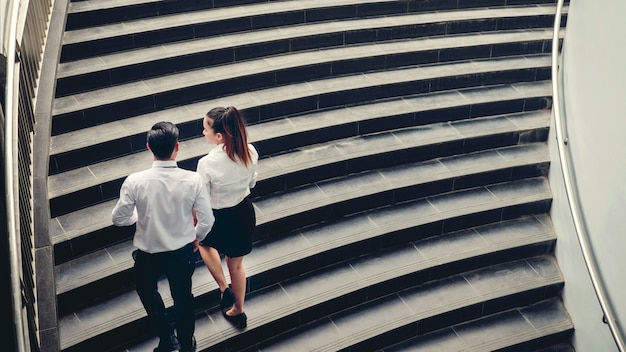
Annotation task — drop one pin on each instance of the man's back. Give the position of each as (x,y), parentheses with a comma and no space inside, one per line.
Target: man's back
(164,197)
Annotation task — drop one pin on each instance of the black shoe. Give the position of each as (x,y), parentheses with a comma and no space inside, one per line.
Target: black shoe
(170,344)
(228,299)
(193,346)
(239,321)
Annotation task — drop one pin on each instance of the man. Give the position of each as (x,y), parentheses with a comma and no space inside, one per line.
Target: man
(161,201)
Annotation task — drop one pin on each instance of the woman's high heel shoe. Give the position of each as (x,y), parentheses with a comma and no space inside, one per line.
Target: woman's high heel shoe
(239,321)
(228,299)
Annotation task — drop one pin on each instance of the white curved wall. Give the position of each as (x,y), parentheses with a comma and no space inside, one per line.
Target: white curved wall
(593,77)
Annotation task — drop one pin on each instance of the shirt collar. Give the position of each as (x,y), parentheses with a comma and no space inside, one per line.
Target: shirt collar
(164,163)
(217,149)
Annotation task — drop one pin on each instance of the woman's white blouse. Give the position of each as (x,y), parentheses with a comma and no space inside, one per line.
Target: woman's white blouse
(228,182)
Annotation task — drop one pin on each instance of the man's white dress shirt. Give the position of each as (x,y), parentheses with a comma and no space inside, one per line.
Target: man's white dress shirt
(160,200)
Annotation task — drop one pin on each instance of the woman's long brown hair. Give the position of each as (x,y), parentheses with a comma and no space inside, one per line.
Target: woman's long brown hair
(232,125)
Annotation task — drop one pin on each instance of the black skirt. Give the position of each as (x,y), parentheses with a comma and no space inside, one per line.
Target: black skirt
(233,229)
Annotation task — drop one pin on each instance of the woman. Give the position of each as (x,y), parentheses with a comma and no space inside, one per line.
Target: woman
(229,171)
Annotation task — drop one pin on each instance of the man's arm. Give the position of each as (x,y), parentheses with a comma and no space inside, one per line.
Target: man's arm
(124,213)
(203,213)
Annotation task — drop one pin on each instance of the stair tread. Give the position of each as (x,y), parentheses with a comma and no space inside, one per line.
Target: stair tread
(104,262)
(212,15)
(323,193)
(346,328)
(194,111)
(154,87)
(77,222)
(194,17)
(86,5)
(119,71)
(512,327)
(533,229)
(168,51)
(505,329)
(90,175)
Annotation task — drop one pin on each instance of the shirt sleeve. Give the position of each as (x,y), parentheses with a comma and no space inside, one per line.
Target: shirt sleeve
(255,161)
(201,170)
(253,180)
(125,212)
(204,213)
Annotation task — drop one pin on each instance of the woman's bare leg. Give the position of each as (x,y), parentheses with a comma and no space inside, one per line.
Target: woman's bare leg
(238,283)
(211,258)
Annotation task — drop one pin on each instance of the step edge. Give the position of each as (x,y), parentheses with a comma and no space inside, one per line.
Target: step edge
(540,158)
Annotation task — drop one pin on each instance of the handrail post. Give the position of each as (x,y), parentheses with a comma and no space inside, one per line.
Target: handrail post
(572,197)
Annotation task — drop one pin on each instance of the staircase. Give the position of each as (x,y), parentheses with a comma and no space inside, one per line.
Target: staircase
(402,200)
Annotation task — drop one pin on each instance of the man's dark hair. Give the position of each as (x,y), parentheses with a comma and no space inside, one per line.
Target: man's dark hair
(162,138)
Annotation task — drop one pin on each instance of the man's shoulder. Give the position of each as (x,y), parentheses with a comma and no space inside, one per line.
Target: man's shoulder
(184,174)
(137,175)
(153,173)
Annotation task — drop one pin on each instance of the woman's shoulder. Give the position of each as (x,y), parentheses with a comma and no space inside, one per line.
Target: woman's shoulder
(203,160)
(210,154)
(253,151)
(206,163)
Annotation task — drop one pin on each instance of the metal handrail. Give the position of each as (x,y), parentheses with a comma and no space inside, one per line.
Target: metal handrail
(572,195)
(9,140)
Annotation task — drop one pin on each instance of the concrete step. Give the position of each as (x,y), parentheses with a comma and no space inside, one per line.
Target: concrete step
(298,131)
(266,104)
(355,155)
(88,277)
(540,327)
(429,217)
(178,96)
(129,35)
(88,14)
(524,328)
(110,69)
(85,14)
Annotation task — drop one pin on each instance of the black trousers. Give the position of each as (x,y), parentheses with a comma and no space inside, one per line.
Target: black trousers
(178,266)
